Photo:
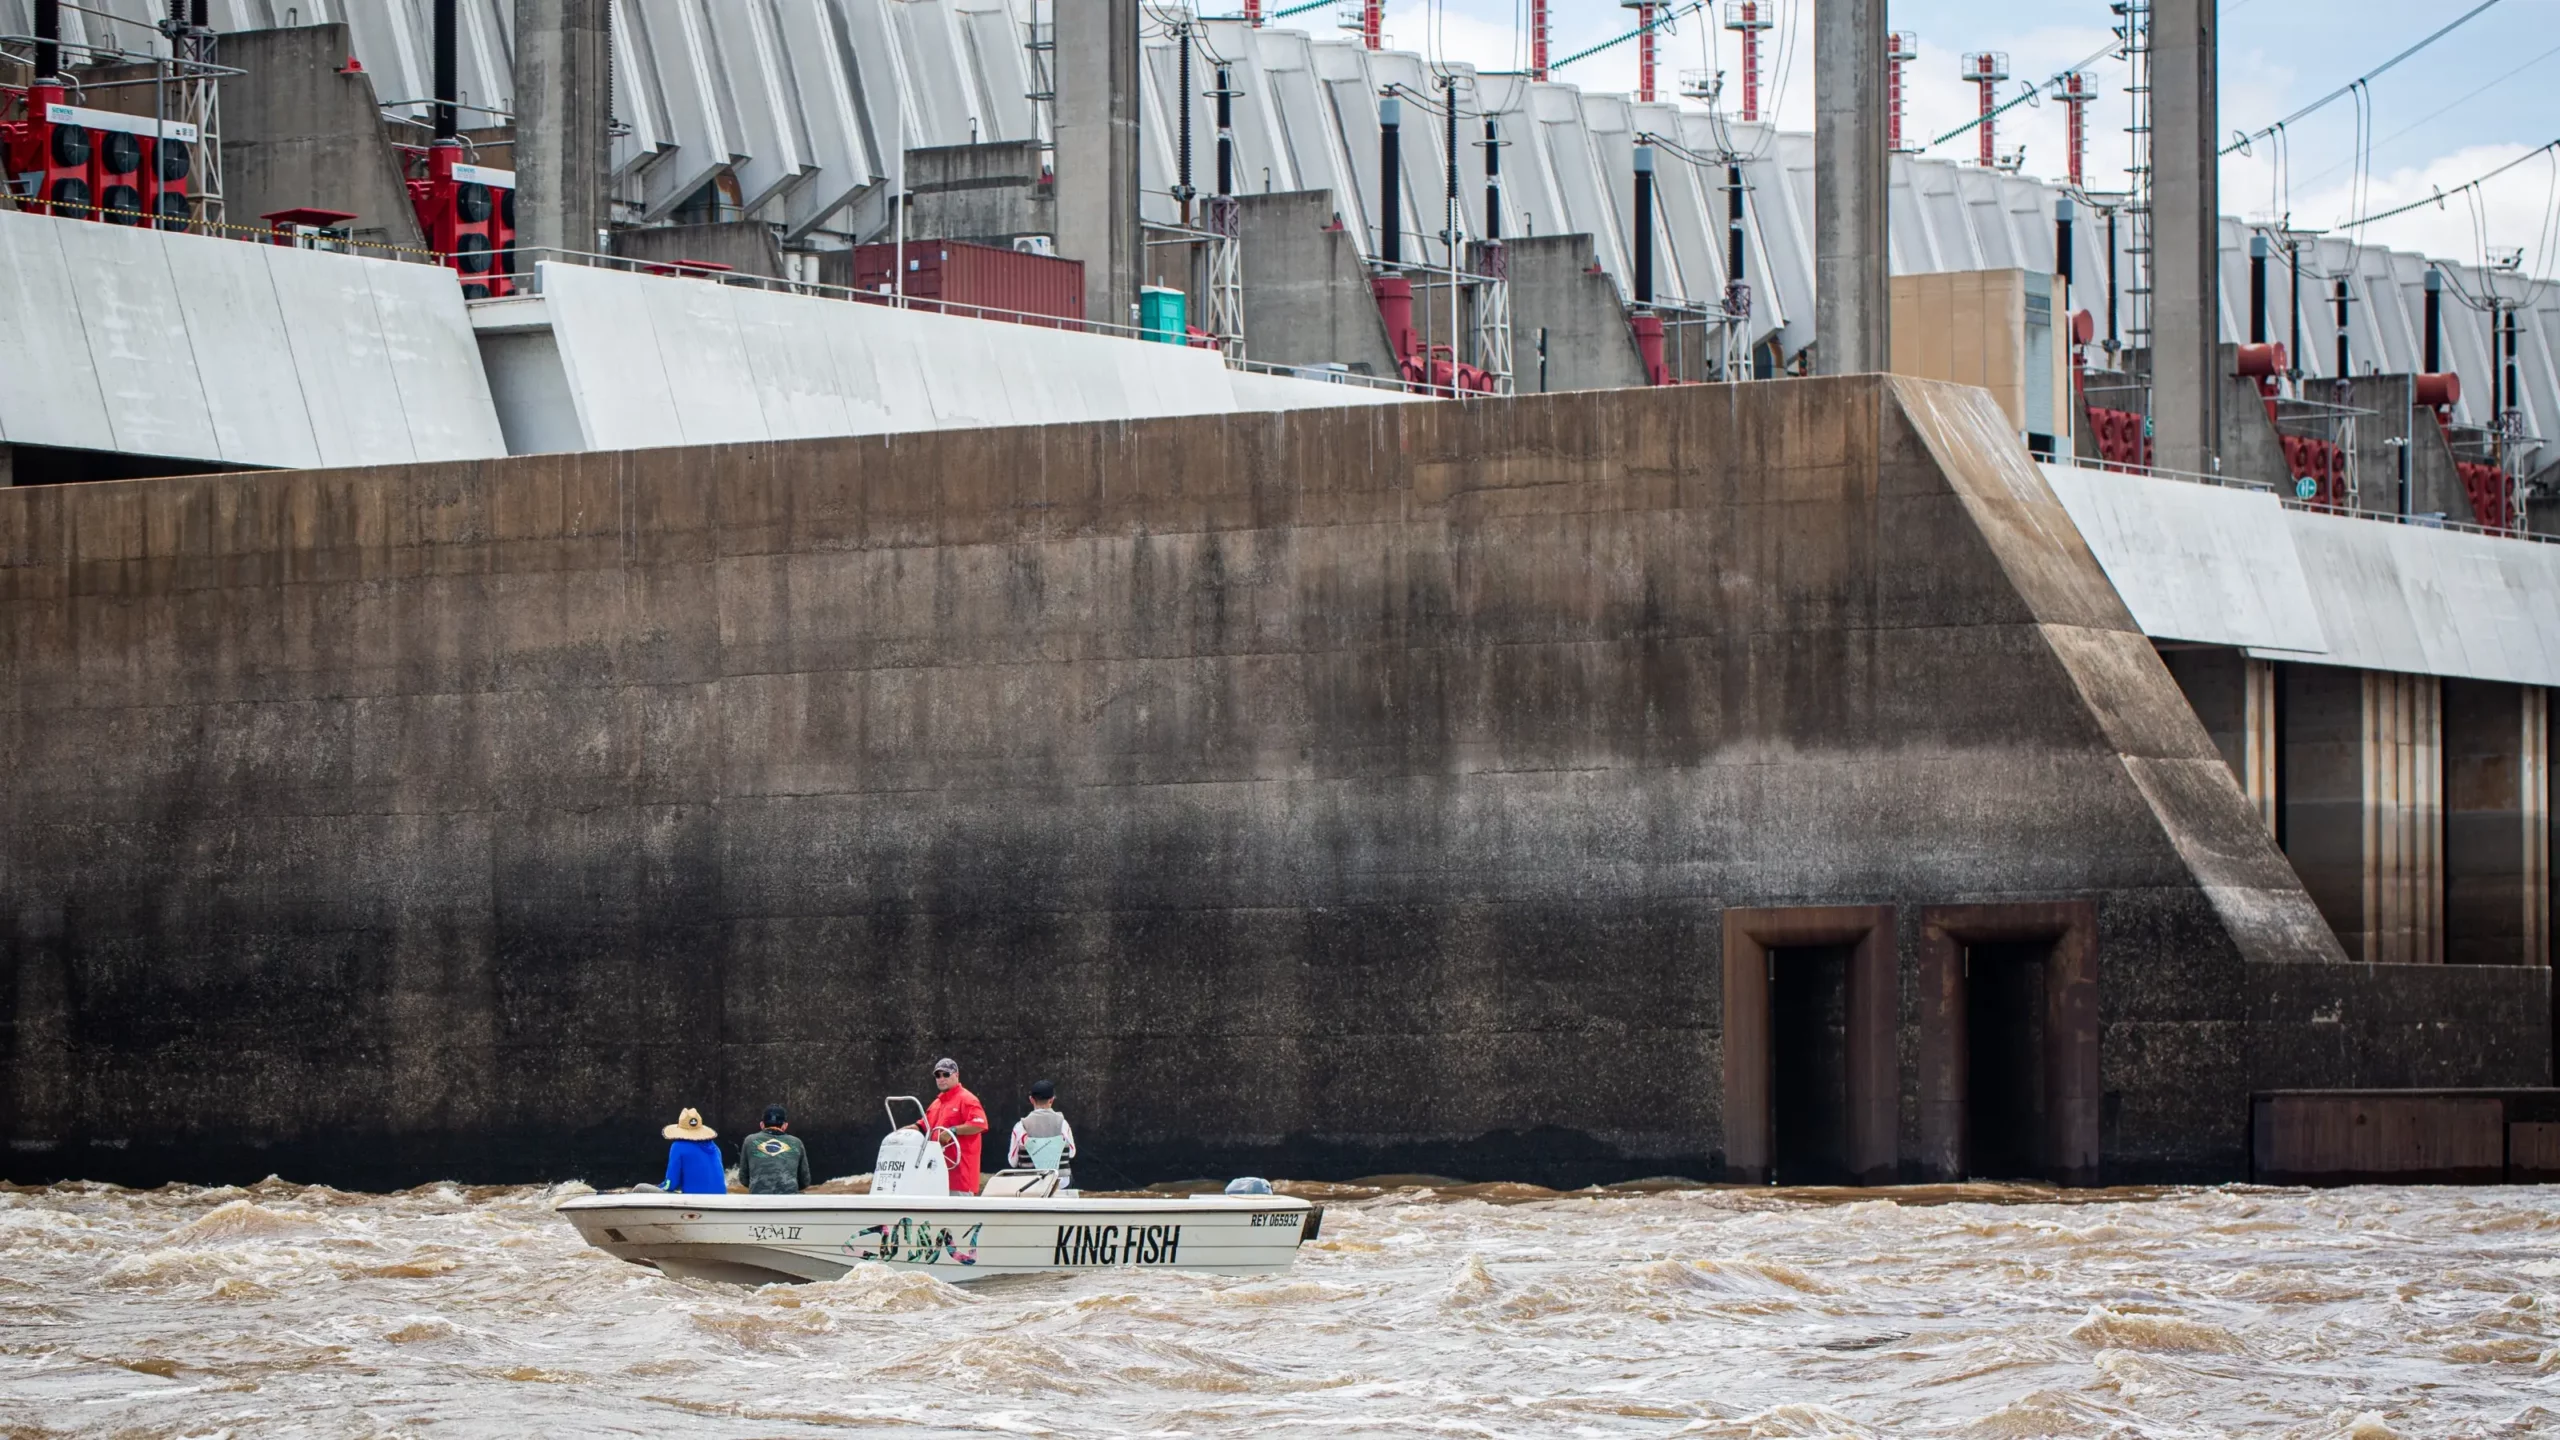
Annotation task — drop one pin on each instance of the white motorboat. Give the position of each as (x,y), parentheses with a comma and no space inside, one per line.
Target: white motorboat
(910,1220)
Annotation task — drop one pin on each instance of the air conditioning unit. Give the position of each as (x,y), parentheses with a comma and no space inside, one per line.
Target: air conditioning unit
(468,213)
(101,165)
(1035,245)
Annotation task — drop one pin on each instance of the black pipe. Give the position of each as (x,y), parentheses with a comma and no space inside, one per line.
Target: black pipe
(1390,213)
(1644,225)
(1449,202)
(1733,224)
(1182,191)
(2113,342)
(48,39)
(448,72)
(1226,134)
(2342,327)
(1492,180)
(2062,217)
(2257,289)
(2435,321)
(2293,281)
(2515,390)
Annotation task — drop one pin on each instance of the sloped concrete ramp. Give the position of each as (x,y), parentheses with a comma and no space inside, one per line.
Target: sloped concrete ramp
(146,342)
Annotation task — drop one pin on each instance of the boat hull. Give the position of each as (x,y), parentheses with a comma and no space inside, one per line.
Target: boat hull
(760,1239)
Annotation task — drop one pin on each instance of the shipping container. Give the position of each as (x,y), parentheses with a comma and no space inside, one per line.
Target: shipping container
(1000,284)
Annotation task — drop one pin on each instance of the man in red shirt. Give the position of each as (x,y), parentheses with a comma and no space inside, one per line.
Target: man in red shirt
(957,1119)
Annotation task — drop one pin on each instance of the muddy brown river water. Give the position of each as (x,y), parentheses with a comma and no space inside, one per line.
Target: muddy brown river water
(287,1310)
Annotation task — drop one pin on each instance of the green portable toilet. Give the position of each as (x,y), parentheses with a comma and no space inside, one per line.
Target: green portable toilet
(1162,314)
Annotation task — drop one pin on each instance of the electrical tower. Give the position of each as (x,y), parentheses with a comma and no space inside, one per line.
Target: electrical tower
(2134,28)
(1537,39)
(1900,49)
(2078,89)
(1984,70)
(1645,51)
(1748,18)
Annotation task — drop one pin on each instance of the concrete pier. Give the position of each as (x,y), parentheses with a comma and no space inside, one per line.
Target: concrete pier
(2186,378)
(1097,152)
(563,123)
(1852,190)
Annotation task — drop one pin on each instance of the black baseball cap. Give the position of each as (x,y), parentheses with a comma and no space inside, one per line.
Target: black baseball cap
(1043,1090)
(776,1115)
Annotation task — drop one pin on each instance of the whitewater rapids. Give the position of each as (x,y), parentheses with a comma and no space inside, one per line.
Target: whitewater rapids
(1473,1311)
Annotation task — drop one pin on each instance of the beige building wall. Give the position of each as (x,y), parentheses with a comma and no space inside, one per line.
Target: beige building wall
(1970,326)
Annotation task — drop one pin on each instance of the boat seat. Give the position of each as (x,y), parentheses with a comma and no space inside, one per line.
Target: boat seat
(1031,1184)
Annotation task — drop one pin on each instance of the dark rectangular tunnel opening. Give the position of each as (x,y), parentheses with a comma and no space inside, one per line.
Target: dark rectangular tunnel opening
(1809,1061)
(2005,1065)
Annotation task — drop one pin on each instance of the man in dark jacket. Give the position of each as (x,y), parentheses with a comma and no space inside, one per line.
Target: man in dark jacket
(772,1161)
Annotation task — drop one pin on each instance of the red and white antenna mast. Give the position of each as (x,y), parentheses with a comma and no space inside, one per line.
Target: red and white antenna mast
(1537,39)
(1372,18)
(2077,91)
(1900,49)
(1645,51)
(1748,18)
(1984,70)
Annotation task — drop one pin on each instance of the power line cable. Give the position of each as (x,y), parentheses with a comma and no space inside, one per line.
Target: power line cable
(2466,98)
(2465,18)
(2112,47)
(2439,197)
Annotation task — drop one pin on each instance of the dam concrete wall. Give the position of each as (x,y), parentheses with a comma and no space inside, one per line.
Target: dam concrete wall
(1319,793)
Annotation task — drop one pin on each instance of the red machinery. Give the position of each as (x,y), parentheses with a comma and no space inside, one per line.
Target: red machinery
(468,215)
(1429,367)
(2123,436)
(100,165)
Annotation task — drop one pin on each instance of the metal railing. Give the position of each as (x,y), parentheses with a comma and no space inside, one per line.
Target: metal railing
(526,276)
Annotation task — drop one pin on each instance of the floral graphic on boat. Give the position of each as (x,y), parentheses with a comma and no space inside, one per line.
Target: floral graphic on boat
(909,1241)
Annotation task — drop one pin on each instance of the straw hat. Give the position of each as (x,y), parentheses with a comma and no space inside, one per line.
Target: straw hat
(689,1126)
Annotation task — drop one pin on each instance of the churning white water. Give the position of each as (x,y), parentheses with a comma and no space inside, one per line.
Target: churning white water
(1973,1311)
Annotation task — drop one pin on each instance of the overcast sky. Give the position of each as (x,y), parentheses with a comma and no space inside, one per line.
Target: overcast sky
(2480,96)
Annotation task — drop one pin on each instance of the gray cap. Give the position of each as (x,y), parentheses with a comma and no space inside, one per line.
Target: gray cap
(946,1063)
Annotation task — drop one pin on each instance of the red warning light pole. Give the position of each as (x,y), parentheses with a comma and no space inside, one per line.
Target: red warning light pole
(1645,51)
(1901,48)
(2078,89)
(1537,39)
(1984,70)
(1372,22)
(1749,18)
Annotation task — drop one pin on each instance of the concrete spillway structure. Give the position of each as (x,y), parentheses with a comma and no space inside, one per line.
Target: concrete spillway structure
(1564,788)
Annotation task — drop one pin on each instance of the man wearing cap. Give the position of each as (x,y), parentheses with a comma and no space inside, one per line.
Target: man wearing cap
(772,1161)
(956,1119)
